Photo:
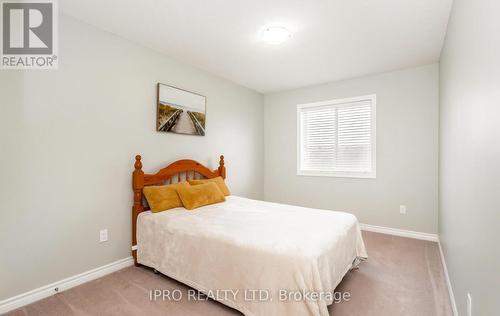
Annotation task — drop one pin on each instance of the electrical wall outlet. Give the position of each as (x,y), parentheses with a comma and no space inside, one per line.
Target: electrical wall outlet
(469,305)
(402,209)
(103,235)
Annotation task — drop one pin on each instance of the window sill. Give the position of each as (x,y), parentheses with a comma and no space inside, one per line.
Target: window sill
(367,175)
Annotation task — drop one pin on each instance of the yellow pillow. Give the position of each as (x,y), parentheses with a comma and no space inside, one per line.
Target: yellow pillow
(194,196)
(219,181)
(163,197)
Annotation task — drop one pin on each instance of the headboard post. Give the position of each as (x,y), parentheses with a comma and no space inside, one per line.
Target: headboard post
(222,168)
(138,185)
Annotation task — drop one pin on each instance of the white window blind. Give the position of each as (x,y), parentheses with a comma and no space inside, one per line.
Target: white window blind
(337,137)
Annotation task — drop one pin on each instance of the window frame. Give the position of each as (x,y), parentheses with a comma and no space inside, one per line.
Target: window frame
(341,174)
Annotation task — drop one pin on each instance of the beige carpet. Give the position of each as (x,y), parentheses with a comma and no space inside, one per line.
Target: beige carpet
(402,277)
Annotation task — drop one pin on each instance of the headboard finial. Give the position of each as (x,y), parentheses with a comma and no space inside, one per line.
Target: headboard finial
(138,163)
(222,168)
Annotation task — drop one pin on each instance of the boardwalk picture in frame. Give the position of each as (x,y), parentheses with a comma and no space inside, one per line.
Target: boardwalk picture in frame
(180,111)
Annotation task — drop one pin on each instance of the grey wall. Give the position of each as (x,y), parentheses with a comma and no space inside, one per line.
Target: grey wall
(407,151)
(68,140)
(470,154)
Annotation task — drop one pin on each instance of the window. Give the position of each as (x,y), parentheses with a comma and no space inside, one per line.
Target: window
(337,138)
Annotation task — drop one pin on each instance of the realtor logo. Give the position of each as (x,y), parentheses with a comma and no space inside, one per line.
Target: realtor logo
(29,34)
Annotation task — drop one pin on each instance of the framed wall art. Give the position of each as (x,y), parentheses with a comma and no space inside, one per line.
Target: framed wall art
(180,111)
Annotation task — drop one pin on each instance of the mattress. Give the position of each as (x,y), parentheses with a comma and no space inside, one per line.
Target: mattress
(264,253)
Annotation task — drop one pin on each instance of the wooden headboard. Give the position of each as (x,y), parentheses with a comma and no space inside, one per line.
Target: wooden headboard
(177,171)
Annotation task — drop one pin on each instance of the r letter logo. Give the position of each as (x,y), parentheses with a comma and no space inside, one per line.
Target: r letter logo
(29,34)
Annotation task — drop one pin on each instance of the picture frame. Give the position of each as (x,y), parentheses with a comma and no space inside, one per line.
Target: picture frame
(180,111)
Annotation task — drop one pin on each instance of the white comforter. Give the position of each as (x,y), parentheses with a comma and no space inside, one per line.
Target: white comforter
(244,245)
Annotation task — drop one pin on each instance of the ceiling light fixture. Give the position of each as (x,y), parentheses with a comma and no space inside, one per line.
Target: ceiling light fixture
(275,35)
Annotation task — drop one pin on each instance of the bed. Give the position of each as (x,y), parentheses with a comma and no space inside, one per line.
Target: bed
(258,257)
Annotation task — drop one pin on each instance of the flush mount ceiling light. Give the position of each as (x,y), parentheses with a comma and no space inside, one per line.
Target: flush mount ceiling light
(275,35)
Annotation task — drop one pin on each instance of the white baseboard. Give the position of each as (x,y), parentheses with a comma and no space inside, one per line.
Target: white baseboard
(59,286)
(400,232)
(448,282)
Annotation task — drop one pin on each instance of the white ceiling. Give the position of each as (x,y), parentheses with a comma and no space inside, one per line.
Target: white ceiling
(333,39)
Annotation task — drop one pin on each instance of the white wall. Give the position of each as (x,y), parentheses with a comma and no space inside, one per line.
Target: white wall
(68,141)
(470,154)
(407,151)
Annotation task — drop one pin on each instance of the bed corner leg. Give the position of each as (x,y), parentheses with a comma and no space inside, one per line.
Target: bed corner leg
(134,255)
(355,263)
